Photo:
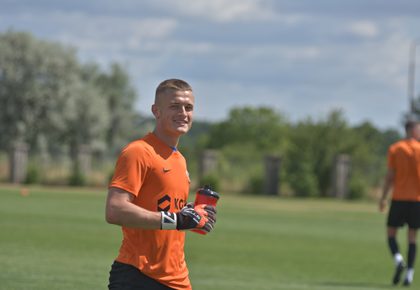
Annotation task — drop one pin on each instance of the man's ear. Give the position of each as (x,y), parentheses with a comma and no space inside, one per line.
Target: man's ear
(155,111)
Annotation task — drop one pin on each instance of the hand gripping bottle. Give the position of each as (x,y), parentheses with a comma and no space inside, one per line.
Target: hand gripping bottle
(205,196)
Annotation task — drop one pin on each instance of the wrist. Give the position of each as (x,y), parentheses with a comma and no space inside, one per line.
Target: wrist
(168,220)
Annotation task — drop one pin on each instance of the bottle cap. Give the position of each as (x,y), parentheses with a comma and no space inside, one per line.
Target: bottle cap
(206,190)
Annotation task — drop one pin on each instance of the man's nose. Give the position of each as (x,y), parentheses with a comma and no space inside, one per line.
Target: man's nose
(182,110)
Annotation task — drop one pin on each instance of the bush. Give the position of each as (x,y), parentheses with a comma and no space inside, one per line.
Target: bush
(358,188)
(77,178)
(211,180)
(304,181)
(306,186)
(255,184)
(33,175)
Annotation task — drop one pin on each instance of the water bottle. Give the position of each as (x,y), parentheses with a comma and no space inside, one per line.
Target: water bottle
(205,196)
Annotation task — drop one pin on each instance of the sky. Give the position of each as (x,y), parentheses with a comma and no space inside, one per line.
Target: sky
(303,58)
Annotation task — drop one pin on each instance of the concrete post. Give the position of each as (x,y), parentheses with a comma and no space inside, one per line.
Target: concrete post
(341,175)
(84,159)
(272,172)
(208,162)
(18,159)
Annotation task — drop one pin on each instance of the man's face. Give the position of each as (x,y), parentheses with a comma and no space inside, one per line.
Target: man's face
(416,132)
(174,112)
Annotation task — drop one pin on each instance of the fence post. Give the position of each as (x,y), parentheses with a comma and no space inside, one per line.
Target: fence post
(208,162)
(272,165)
(18,159)
(341,175)
(84,159)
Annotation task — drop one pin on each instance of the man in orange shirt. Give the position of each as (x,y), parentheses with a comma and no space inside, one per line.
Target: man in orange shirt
(148,195)
(404,176)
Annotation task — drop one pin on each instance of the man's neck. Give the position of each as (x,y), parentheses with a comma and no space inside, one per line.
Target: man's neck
(411,138)
(171,141)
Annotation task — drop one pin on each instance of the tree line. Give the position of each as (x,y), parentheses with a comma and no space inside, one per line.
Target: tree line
(55,103)
(307,149)
(52,101)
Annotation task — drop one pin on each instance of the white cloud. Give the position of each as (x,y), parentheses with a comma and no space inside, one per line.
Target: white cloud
(364,28)
(87,31)
(226,10)
(102,38)
(387,61)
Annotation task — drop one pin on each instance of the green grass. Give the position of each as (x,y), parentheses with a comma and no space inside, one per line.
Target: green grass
(58,239)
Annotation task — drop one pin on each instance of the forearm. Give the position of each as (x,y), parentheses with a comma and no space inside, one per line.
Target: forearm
(134,216)
(120,210)
(389,179)
(385,190)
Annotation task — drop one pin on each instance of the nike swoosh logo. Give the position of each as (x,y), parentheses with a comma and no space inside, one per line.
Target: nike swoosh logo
(166,170)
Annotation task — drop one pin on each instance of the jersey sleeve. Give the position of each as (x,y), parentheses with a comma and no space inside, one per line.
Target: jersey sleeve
(130,170)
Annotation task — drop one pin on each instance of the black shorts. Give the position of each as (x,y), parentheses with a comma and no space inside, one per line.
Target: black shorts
(404,212)
(127,277)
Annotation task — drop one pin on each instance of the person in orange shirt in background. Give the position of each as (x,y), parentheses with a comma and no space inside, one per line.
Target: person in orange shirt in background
(148,195)
(404,177)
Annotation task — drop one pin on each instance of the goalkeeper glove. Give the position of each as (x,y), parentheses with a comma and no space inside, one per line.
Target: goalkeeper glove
(199,217)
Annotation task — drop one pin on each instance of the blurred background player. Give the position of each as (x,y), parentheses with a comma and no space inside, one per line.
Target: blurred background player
(403,176)
(148,195)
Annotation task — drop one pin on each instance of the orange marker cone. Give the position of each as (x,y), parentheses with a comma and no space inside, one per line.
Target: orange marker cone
(24,191)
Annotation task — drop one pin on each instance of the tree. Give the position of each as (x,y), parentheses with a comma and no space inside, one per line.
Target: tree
(120,96)
(370,151)
(262,127)
(48,99)
(243,139)
(37,79)
(314,147)
(86,118)
(46,94)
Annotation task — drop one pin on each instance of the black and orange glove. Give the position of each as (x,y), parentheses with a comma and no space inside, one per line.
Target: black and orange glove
(199,217)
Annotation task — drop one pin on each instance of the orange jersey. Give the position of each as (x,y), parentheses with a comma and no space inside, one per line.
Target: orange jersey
(157,176)
(404,160)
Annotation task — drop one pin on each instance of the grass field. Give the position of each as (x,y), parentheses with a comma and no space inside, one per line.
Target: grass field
(58,239)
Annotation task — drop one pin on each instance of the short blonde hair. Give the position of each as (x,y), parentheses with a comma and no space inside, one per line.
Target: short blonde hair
(171,85)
